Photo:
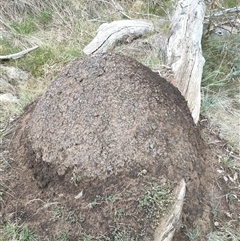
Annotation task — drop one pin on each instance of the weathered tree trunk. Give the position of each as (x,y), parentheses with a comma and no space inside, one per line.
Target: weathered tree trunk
(111,33)
(184,52)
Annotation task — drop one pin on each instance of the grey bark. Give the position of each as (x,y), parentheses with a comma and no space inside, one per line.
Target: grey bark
(184,52)
(111,33)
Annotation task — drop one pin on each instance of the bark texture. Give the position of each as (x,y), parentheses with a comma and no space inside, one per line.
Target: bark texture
(118,31)
(184,52)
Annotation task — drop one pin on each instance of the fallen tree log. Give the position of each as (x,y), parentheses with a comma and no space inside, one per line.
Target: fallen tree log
(184,52)
(118,31)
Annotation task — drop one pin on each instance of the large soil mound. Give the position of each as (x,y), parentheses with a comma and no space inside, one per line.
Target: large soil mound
(106,115)
(105,120)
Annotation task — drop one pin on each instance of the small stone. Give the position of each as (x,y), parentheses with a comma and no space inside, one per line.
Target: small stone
(143,172)
(225,178)
(15,74)
(7,97)
(79,195)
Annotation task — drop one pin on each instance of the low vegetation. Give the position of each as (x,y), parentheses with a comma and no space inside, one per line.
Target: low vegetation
(17,231)
(61,29)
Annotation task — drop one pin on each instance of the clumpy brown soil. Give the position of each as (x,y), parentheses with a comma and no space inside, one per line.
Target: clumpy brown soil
(107,115)
(118,137)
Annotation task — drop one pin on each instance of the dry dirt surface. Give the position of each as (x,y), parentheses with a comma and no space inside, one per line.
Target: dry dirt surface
(99,155)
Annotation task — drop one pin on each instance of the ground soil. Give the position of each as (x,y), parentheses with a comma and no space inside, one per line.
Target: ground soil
(110,207)
(51,211)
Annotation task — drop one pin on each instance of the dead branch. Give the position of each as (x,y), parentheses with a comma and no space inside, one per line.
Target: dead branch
(225,11)
(123,30)
(18,55)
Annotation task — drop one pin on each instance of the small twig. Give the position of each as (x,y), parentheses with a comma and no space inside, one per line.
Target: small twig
(120,9)
(166,66)
(124,14)
(225,11)
(33,200)
(144,14)
(234,156)
(17,55)
(96,20)
(218,184)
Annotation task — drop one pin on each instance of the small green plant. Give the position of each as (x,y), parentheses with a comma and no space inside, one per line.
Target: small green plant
(153,61)
(95,202)
(63,236)
(17,231)
(230,3)
(86,237)
(27,26)
(231,197)
(35,61)
(224,234)
(158,8)
(214,205)
(99,199)
(7,47)
(46,17)
(231,163)
(122,234)
(208,101)
(58,213)
(194,234)
(166,27)
(74,179)
(111,198)
(72,217)
(156,200)
(120,212)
